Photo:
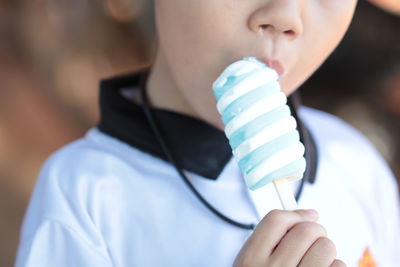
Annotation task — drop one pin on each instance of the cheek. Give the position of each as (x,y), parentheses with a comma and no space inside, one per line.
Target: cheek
(198,41)
(190,34)
(325,27)
(194,47)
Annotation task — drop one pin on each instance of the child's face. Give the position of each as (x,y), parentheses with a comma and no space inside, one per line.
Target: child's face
(197,39)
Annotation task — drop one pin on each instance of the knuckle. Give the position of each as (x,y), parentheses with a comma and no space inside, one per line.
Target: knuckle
(310,229)
(276,217)
(338,263)
(326,247)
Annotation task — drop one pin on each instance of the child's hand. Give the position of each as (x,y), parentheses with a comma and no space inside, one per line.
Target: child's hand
(289,238)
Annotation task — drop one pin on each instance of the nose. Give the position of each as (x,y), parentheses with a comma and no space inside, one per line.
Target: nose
(279,18)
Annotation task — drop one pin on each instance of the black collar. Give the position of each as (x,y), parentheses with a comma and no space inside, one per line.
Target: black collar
(198,146)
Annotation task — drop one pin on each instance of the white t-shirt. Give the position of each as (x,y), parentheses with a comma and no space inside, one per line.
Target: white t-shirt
(101,202)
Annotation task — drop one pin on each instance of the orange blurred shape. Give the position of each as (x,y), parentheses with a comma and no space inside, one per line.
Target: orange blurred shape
(367,260)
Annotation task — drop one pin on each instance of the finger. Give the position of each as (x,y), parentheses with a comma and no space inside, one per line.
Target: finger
(338,263)
(321,253)
(273,227)
(296,243)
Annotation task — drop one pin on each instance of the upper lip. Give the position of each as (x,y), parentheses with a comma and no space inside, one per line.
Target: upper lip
(274,64)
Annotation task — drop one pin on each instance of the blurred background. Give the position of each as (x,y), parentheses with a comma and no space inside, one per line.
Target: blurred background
(53,54)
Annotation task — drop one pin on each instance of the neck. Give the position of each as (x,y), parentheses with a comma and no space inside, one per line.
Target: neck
(162,90)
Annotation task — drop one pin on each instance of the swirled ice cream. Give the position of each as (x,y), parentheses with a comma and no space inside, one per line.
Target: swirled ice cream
(258,123)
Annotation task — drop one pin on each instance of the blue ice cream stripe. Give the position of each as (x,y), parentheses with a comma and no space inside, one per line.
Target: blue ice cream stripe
(250,129)
(246,100)
(293,167)
(254,158)
(230,82)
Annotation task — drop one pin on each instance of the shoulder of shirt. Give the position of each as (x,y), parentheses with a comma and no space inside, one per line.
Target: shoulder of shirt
(76,176)
(343,144)
(97,157)
(330,130)
(328,127)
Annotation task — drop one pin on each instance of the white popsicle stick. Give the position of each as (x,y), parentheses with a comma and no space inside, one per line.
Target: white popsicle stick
(285,194)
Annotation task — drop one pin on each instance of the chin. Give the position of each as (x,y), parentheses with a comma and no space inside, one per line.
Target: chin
(289,88)
(215,120)
(220,125)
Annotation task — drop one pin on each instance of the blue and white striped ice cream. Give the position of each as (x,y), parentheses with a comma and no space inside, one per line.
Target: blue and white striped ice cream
(258,123)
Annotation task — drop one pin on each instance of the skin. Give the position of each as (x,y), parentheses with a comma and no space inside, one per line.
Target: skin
(198,39)
(289,239)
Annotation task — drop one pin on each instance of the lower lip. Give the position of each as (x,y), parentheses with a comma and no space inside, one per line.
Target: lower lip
(276,66)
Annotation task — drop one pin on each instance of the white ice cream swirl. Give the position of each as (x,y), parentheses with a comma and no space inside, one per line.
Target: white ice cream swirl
(261,131)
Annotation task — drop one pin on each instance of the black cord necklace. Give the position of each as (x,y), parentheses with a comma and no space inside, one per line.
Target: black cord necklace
(155,128)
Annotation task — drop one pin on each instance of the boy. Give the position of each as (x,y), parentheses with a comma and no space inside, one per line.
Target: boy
(111,199)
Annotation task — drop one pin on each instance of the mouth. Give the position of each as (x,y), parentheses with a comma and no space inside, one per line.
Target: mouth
(274,64)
